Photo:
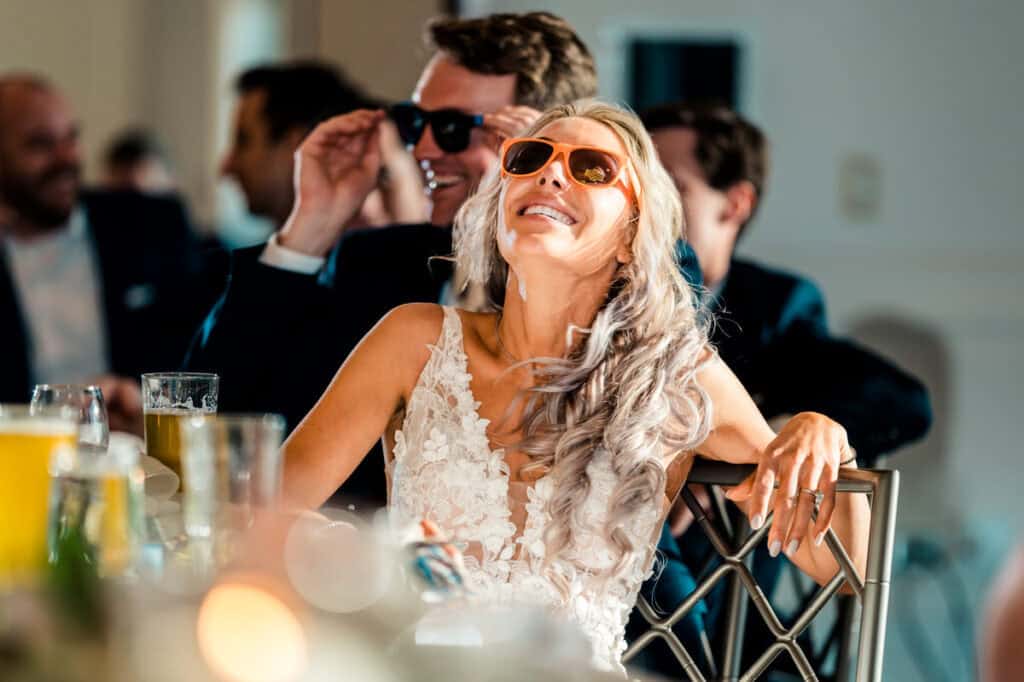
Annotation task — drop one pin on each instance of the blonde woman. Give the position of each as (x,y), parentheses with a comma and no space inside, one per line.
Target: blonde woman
(550,435)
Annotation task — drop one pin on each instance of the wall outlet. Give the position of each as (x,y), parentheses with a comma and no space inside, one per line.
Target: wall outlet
(860,187)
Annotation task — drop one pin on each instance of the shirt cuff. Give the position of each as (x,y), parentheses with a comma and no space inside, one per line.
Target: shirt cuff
(283,258)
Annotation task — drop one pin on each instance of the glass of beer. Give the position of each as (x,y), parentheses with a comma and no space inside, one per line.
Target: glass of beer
(168,399)
(29,439)
(87,403)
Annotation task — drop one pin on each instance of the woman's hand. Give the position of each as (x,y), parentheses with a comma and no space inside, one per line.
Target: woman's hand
(803,462)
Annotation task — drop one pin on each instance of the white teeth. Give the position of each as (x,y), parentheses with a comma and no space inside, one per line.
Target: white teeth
(536,209)
(442,181)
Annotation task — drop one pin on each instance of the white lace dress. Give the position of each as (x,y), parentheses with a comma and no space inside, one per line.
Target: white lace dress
(443,469)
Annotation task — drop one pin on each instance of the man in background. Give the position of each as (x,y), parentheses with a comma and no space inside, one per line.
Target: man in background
(771,326)
(136,161)
(278,105)
(92,284)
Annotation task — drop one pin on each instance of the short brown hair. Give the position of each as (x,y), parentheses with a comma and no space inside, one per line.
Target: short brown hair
(551,64)
(730,149)
(301,94)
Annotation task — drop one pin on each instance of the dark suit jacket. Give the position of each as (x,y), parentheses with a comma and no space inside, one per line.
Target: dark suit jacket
(773,332)
(276,338)
(155,286)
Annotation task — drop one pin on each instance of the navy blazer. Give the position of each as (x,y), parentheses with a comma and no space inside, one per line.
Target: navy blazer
(772,331)
(155,286)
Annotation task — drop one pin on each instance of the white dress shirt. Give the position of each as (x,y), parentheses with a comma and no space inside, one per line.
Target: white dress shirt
(283,258)
(277,256)
(58,285)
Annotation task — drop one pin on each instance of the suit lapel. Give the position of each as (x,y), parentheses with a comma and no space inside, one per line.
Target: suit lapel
(14,380)
(106,269)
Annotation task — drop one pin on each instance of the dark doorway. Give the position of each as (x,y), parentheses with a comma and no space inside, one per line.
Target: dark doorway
(668,70)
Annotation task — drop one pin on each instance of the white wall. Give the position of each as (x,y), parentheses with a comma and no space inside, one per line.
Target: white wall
(90,49)
(379,43)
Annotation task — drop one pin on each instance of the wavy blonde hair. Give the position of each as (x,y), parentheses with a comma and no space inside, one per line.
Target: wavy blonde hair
(629,385)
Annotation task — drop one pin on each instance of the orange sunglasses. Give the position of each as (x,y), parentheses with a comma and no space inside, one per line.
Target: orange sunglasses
(523,157)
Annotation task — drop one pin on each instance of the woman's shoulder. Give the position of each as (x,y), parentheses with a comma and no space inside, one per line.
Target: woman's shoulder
(413,322)
(416,327)
(402,340)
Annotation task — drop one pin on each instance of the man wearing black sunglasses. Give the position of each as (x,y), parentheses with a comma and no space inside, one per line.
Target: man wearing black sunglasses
(295,308)
(486,82)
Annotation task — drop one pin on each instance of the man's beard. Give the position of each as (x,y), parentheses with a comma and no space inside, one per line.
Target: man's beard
(27,198)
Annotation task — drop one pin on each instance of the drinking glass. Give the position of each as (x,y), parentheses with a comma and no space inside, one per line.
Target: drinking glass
(29,438)
(96,508)
(232,469)
(169,399)
(87,402)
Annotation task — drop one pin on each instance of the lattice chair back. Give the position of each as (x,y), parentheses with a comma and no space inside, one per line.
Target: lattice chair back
(734,543)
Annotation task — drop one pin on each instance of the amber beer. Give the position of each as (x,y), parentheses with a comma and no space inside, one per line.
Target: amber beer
(163,435)
(169,399)
(27,444)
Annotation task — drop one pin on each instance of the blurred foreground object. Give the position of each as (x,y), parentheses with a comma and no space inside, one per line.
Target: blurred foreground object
(1002,639)
(28,441)
(96,503)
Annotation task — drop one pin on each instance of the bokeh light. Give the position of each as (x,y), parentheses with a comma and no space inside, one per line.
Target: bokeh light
(247,634)
(335,562)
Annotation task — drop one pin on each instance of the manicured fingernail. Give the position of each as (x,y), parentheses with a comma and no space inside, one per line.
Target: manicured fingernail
(819,538)
(757,522)
(774,548)
(791,548)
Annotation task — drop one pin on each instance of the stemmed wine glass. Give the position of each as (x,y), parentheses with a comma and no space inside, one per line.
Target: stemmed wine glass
(87,402)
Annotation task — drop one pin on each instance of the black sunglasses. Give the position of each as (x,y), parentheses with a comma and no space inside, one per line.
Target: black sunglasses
(450,127)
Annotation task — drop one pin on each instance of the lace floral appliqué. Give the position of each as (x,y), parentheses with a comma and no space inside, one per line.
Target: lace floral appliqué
(444,470)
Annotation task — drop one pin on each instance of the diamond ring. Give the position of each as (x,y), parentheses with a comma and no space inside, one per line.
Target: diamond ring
(816,494)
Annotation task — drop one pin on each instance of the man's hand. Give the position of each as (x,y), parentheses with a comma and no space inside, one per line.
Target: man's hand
(336,168)
(510,121)
(402,191)
(123,399)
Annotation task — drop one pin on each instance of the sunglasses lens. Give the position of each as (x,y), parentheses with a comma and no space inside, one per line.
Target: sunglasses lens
(592,166)
(526,157)
(451,130)
(410,121)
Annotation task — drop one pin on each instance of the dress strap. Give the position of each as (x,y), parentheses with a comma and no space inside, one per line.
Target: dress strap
(450,343)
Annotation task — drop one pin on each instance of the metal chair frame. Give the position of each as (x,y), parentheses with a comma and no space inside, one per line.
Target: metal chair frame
(734,547)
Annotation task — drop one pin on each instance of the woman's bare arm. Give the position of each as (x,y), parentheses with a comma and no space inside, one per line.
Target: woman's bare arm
(804,454)
(354,411)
